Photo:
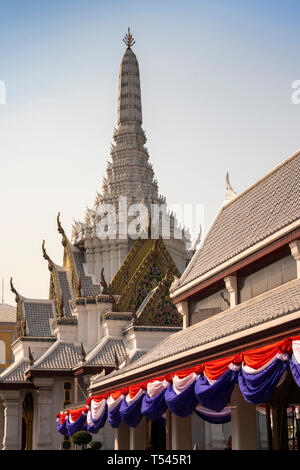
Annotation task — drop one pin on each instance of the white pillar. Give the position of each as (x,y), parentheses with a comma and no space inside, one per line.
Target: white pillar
(92,325)
(231,286)
(181,437)
(138,436)
(183,309)
(43,414)
(1,423)
(122,437)
(243,422)
(12,420)
(295,251)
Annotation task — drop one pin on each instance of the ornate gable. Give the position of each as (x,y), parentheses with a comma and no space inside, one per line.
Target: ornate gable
(158,308)
(131,263)
(150,271)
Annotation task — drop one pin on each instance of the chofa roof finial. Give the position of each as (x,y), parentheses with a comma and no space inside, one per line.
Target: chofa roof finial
(230,193)
(12,288)
(128,39)
(46,257)
(61,230)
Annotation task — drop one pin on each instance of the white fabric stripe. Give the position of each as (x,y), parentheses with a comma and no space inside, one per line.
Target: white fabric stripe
(154,388)
(136,397)
(111,403)
(296,351)
(89,419)
(250,370)
(207,411)
(179,385)
(234,367)
(97,408)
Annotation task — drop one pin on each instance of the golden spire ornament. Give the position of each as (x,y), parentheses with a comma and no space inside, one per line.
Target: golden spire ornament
(128,39)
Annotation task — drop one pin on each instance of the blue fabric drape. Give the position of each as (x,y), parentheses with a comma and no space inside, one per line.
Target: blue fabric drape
(131,414)
(79,425)
(98,423)
(216,396)
(62,428)
(114,417)
(214,417)
(182,404)
(154,407)
(257,388)
(295,369)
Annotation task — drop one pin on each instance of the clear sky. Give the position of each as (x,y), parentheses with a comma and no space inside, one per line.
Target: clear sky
(216,92)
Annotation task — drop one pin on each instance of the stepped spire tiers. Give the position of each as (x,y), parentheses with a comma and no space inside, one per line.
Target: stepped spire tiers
(129,180)
(129,173)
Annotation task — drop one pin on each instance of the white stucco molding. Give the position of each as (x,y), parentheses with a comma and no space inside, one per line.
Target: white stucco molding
(183,309)
(295,251)
(231,286)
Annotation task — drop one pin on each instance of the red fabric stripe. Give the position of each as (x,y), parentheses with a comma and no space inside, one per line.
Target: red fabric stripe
(75,414)
(134,389)
(254,358)
(185,372)
(213,370)
(97,398)
(117,393)
(257,358)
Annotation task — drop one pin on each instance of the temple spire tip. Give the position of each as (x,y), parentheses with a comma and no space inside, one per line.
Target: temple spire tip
(128,39)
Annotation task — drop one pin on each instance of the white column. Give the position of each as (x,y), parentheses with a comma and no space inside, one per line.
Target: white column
(122,437)
(243,422)
(92,325)
(43,414)
(181,437)
(98,258)
(231,286)
(12,420)
(183,309)
(1,423)
(138,436)
(295,251)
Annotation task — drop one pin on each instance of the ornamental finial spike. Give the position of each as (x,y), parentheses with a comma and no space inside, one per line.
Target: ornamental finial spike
(128,39)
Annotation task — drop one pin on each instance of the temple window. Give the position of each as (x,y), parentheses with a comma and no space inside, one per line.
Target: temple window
(262,280)
(216,302)
(67,394)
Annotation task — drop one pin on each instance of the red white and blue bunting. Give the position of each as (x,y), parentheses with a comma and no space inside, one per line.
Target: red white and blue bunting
(205,389)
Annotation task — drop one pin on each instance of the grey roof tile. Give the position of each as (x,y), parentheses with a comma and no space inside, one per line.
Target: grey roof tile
(37,316)
(65,288)
(106,354)
(87,285)
(16,375)
(137,355)
(274,304)
(64,356)
(266,207)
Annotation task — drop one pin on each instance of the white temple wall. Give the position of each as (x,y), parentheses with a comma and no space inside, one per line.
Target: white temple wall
(106,437)
(66,333)
(21,349)
(113,327)
(139,339)
(48,401)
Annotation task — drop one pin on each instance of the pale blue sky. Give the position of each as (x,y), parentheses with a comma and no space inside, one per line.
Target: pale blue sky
(216,91)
